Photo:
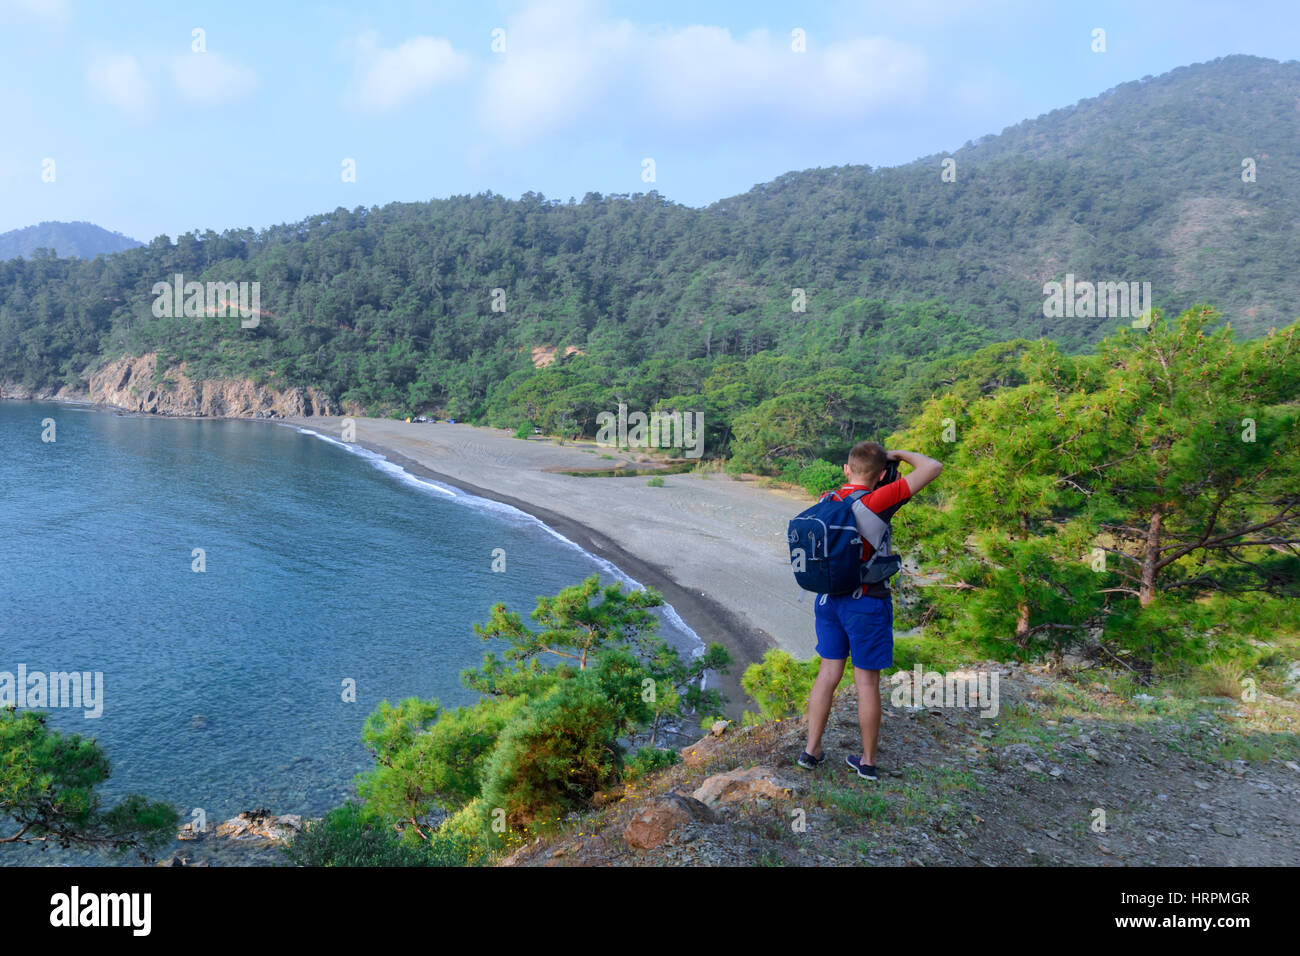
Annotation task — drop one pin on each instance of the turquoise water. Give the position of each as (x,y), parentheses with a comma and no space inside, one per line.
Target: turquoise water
(224,689)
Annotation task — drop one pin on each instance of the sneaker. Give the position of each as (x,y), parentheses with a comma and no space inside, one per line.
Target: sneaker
(865,770)
(809,762)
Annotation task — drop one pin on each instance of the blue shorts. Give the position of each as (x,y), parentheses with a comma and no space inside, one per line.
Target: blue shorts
(864,626)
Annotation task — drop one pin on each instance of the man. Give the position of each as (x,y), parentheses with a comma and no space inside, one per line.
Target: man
(861,624)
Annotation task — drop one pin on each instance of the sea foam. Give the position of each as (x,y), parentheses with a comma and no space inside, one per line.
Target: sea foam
(512,515)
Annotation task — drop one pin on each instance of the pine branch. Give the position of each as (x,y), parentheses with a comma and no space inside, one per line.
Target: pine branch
(1224,541)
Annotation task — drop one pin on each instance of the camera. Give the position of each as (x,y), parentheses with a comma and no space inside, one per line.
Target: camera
(891,473)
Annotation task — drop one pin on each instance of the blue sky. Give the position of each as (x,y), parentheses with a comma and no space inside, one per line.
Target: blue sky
(149,137)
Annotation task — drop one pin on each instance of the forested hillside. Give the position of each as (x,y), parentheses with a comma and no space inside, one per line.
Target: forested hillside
(1143,183)
(393,309)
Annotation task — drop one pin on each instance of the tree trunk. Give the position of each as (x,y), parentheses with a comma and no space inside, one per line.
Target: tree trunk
(1147,589)
(1022,608)
(1022,619)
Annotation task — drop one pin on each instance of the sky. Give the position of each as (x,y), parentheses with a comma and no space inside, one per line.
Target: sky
(163,118)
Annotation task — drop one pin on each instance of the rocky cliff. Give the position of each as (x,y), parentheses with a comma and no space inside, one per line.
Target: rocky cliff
(132,384)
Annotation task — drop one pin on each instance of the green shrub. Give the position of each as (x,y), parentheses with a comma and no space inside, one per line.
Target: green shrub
(424,755)
(554,758)
(346,838)
(649,759)
(780,684)
(655,482)
(469,838)
(524,431)
(49,793)
(937,653)
(564,748)
(543,740)
(820,477)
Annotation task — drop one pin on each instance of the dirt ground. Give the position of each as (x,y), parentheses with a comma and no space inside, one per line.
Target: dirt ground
(1070,773)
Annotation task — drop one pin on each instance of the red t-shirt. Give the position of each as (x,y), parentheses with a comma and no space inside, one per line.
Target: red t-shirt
(884,501)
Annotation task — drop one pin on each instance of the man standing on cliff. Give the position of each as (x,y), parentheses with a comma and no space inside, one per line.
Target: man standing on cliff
(861,624)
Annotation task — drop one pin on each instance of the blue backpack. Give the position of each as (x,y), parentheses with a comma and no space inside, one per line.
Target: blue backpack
(826,547)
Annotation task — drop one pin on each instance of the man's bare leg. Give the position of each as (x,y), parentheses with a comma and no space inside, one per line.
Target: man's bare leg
(819,703)
(868,685)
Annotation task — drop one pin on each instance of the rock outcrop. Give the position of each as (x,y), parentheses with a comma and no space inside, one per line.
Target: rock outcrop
(708,746)
(258,826)
(655,822)
(745,786)
(22,393)
(133,384)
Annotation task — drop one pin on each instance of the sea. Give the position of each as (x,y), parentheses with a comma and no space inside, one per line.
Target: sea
(248,593)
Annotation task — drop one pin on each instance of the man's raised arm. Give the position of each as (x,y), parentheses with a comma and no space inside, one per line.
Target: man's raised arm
(924,469)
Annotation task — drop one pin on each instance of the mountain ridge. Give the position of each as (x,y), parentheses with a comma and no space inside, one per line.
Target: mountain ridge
(437,306)
(80,240)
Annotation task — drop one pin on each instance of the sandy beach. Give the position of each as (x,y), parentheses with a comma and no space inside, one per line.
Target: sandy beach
(712,545)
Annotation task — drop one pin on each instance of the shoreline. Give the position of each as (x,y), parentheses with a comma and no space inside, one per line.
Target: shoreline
(747,602)
(710,620)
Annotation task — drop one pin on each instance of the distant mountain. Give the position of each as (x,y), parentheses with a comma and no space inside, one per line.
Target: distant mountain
(69,240)
(1185,181)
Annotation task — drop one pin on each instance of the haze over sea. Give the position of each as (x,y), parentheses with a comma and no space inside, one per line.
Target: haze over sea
(224,689)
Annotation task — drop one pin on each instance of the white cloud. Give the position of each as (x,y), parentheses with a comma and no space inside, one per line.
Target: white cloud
(705,78)
(556,70)
(211,79)
(385,80)
(118,80)
(566,68)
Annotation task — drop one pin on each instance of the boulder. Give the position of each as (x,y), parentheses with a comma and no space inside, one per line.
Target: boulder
(700,752)
(654,823)
(739,786)
(261,825)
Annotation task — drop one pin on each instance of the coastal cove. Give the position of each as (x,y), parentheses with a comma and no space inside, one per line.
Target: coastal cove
(650,541)
(354,573)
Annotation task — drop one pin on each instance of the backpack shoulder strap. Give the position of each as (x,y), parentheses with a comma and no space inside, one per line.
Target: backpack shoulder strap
(873,527)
